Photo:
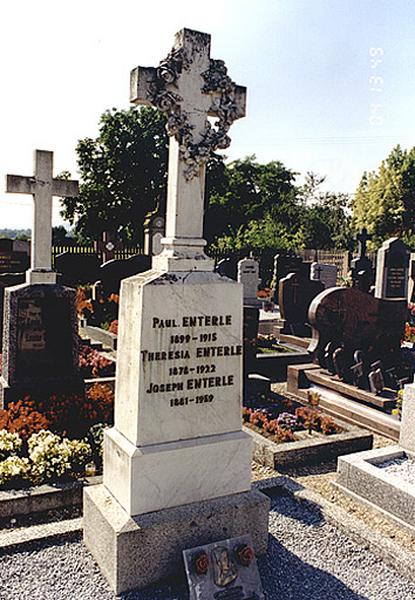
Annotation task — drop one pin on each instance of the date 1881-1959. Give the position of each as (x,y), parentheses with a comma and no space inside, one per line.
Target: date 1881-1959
(185,400)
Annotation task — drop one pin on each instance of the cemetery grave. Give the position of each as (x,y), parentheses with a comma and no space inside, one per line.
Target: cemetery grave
(176,431)
(359,362)
(385,477)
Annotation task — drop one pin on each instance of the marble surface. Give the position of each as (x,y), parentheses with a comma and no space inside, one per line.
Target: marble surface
(154,477)
(179,362)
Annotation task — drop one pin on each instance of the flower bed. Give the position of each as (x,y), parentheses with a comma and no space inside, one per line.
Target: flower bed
(94,364)
(53,439)
(286,426)
(46,457)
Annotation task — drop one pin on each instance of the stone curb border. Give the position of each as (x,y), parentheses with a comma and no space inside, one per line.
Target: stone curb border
(17,539)
(43,498)
(384,548)
(309,451)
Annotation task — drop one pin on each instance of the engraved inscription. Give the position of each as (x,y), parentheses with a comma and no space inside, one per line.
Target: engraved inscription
(186,353)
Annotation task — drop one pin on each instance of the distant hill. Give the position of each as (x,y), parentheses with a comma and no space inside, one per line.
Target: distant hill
(21,234)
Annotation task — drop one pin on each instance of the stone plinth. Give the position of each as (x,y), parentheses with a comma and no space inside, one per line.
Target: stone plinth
(160,476)
(134,552)
(40,342)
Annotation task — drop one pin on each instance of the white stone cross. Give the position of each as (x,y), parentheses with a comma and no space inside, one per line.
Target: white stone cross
(189,86)
(43,187)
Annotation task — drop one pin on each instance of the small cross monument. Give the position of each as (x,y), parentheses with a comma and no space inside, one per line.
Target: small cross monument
(43,187)
(188,87)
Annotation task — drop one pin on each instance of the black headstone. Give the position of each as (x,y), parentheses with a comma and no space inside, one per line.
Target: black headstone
(10,260)
(113,272)
(77,269)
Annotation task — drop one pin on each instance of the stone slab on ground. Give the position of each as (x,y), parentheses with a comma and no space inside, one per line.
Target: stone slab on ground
(360,475)
(43,497)
(134,552)
(56,531)
(107,338)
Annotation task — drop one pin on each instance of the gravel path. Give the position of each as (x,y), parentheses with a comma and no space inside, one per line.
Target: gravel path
(308,559)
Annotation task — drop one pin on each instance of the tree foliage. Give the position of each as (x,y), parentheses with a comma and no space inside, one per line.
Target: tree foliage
(123,174)
(384,202)
(247,204)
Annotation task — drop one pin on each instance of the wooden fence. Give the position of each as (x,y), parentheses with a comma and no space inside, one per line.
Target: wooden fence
(123,253)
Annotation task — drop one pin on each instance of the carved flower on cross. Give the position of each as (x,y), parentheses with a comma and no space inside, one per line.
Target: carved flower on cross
(166,73)
(166,101)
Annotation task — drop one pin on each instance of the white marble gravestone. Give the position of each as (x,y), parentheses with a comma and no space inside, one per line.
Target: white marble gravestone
(248,275)
(177,463)
(324,273)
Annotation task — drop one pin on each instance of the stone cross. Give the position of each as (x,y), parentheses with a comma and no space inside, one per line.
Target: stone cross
(188,86)
(43,187)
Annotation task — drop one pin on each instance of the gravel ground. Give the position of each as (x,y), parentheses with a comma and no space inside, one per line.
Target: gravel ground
(402,468)
(308,559)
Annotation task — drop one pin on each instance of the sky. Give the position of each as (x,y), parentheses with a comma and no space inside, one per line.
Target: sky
(331,83)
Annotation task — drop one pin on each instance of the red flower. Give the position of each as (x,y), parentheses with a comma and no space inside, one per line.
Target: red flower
(201,563)
(245,555)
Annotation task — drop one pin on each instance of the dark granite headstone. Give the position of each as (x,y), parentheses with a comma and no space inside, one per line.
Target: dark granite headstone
(355,320)
(225,570)
(40,342)
(227,267)
(8,280)
(284,264)
(392,270)
(113,272)
(362,268)
(12,261)
(296,291)
(77,269)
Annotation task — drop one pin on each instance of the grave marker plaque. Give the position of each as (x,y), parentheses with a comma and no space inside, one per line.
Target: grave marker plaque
(225,570)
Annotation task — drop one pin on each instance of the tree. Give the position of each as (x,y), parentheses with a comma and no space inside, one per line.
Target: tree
(245,194)
(326,218)
(384,202)
(123,175)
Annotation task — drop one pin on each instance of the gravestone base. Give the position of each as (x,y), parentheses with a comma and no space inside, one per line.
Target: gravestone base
(134,552)
(159,476)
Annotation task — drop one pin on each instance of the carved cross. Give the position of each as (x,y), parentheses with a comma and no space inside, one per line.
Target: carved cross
(43,187)
(188,86)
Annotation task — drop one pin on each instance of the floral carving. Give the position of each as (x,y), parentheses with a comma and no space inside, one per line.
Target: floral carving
(223,93)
